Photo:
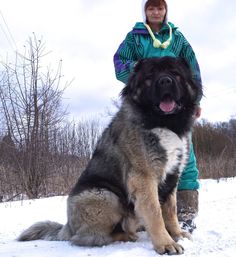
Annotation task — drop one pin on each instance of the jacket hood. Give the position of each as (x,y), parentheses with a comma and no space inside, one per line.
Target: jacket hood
(144,15)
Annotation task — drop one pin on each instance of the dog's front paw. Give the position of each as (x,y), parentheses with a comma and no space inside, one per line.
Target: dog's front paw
(170,248)
(180,234)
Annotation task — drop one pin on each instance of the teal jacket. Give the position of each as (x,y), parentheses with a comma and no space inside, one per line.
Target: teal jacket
(137,45)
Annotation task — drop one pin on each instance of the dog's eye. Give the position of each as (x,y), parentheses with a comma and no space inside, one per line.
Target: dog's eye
(178,77)
(148,82)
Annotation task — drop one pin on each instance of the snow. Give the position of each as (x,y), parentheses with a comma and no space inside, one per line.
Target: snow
(215,234)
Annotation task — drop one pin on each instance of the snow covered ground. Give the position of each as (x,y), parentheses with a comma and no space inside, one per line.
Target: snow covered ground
(215,234)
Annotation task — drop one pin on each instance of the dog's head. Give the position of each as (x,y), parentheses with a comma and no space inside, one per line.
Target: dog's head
(162,85)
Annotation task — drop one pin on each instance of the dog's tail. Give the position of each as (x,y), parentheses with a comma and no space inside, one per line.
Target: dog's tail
(47,230)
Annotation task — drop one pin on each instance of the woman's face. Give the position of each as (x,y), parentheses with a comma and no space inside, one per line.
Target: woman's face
(155,14)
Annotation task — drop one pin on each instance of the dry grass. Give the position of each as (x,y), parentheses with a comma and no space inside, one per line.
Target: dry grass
(216,168)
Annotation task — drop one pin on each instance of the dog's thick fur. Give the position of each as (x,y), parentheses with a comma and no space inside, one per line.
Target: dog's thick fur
(132,177)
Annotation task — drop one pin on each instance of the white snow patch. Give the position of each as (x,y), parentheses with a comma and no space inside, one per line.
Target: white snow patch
(215,234)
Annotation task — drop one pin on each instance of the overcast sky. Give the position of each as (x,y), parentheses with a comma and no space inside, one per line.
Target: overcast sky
(86,33)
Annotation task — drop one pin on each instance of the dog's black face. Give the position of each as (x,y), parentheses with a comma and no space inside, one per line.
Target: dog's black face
(162,85)
(164,92)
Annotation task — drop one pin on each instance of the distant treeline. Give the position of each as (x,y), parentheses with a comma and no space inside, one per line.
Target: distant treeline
(215,146)
(51,165)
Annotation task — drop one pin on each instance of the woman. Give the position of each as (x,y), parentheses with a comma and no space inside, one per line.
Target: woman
(155,37)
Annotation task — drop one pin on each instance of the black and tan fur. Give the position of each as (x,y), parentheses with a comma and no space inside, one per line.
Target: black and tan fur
(132,176)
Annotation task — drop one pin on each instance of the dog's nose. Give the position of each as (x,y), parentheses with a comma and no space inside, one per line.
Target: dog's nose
(165,81)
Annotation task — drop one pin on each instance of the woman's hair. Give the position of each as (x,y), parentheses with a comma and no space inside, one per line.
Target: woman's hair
(146,3)
(155,3)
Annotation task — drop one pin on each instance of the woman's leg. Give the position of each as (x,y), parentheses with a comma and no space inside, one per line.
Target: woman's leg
(187,195)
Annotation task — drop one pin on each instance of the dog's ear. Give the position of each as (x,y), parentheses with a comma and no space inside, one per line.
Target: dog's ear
(196,86)
(132,81)
(130,87)
(182,61)
(132,84)
(137,78)
(139,64)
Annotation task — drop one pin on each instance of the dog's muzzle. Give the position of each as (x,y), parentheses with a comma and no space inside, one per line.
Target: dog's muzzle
(165,81)
(168,94)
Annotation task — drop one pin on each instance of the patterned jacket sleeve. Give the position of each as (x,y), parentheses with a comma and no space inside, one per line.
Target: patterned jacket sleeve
(125,58)
(188,54)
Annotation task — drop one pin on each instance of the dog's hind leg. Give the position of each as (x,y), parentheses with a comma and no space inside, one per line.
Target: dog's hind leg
(93,216)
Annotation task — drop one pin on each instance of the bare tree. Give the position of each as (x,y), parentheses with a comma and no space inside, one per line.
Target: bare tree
(72,148)
(31,103)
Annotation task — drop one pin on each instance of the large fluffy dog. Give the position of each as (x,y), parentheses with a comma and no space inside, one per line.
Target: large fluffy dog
(132,177)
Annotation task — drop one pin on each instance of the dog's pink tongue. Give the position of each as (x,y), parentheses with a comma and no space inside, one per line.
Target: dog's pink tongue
(167,105)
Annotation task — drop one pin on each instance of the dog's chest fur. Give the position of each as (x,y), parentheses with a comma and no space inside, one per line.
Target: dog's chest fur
(176,150)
